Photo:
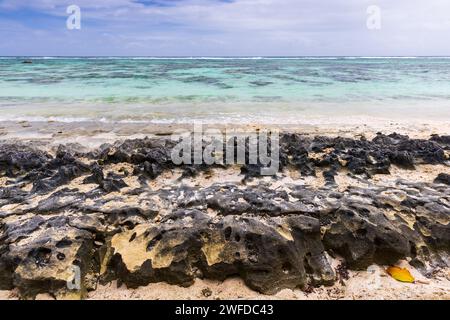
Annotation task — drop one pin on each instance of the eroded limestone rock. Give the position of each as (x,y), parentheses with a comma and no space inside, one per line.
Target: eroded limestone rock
(103,212)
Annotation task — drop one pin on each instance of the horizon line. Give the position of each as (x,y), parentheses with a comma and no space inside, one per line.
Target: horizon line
(225,56)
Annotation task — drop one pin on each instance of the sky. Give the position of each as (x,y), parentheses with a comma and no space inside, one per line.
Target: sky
(225,28)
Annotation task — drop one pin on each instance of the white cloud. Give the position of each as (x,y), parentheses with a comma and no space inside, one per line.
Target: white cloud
(251,27)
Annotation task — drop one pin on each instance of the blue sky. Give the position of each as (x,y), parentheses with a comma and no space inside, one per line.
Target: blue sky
(225,27)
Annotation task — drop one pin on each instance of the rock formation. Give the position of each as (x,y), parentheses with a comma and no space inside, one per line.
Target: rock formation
(109,213)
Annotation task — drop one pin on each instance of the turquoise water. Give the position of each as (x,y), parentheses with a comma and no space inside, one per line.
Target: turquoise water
(227,89)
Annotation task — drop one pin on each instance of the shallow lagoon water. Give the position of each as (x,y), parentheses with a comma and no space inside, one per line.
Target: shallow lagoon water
(223,89)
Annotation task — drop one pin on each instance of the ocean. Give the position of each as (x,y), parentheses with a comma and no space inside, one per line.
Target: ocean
(223,89)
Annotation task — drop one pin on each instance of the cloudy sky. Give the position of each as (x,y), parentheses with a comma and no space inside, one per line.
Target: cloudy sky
(225,28)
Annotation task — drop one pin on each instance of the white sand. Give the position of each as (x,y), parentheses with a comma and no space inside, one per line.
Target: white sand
(93,134)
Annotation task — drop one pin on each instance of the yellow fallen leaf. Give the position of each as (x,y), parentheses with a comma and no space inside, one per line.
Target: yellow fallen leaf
(400,274)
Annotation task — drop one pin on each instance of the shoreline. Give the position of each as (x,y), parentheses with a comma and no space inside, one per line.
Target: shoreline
(92,133)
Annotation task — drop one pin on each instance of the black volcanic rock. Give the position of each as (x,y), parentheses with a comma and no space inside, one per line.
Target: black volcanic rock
(72,209)
(443,178)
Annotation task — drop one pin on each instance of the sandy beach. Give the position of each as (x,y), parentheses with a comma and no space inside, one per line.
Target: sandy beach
(92,134)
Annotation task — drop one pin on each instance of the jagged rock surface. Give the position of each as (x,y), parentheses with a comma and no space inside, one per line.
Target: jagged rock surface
(62,210)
